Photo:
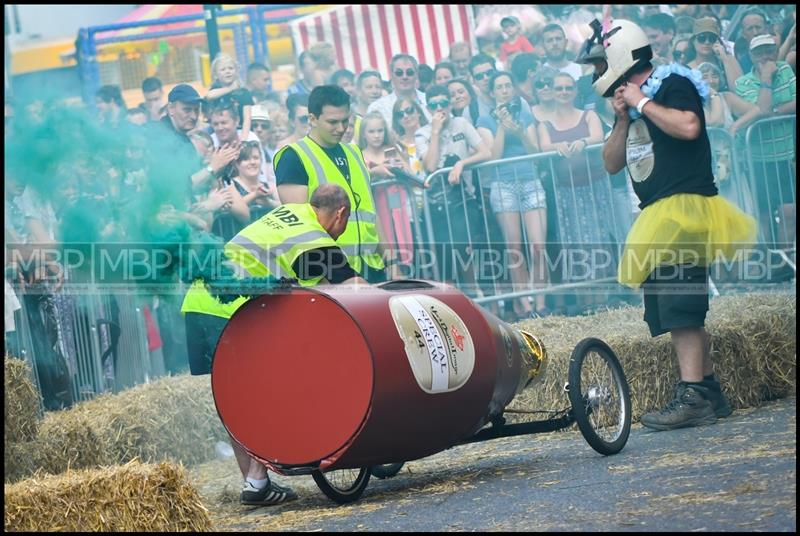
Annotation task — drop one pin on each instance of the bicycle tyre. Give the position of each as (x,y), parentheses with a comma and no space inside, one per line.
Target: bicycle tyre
(387,470)
(615,396)
(342,493)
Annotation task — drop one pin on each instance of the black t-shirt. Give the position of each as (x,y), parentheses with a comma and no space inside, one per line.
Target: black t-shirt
(242,96)
(660,165)
(330,263)
(290,168)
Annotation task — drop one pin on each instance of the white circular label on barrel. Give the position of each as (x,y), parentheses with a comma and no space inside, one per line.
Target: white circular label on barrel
(438,345)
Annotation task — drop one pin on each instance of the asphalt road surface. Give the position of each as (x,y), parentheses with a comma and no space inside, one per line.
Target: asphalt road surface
(736,475)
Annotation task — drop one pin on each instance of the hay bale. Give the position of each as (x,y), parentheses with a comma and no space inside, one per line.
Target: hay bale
(173,418)
(22,402)
(134,497)
(19,460)
(753,349)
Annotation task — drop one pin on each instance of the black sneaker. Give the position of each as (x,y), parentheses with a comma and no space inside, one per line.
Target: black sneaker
(269,495)
(722,407)
(689,408)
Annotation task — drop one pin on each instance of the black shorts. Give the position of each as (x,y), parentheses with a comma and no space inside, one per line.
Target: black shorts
(675,297)
(202,334)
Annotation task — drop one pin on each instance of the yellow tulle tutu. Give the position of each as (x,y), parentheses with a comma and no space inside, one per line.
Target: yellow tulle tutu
(683,229)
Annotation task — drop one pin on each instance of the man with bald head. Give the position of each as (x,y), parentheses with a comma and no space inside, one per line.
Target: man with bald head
(293,241)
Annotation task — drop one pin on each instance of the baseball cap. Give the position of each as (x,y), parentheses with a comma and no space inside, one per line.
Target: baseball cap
(184,93)
(762,40)
(509,20)
(706,24)
(259,113)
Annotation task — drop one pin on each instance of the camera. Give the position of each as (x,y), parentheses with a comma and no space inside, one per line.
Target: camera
(513,108)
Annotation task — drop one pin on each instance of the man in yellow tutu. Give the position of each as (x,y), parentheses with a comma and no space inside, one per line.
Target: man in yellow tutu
(660,137)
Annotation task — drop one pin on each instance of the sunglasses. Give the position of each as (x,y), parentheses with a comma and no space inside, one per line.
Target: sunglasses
(408,72)
(485,74)
(266,125)
(303,119)
(677,54)
(442,103)
(563,88)
(706,38)
(541,84)
(405,111)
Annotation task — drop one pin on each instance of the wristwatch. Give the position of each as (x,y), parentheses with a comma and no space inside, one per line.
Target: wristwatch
(641,104)
(210,170)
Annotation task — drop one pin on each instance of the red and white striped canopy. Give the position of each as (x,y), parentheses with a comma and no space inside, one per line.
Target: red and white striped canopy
(367,36)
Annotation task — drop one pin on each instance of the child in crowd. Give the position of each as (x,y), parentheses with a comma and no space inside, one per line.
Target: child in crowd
(227,83)
(515,41)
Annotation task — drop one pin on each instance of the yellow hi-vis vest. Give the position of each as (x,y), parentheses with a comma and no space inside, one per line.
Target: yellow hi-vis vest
(360,239)
(267,247)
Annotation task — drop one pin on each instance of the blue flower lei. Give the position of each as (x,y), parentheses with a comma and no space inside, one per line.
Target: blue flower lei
(653,83)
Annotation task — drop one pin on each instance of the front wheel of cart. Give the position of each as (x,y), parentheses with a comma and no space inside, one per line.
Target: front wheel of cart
(343,485)
(598,392)
(387,470)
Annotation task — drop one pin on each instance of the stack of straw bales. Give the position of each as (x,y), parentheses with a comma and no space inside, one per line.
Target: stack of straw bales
(173,418)
(21,409)
(753,349)
(133,497)
(22,419)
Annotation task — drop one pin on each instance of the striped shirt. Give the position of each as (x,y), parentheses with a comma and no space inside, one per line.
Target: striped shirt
(775,142)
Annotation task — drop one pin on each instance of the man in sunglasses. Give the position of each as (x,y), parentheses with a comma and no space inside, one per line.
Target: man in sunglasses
(404,74)
(482,67)
(297,105)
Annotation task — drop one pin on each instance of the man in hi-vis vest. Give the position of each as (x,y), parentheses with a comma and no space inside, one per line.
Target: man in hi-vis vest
(295,241)
(320,158)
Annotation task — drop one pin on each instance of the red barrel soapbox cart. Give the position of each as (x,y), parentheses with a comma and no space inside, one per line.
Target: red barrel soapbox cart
(343,384)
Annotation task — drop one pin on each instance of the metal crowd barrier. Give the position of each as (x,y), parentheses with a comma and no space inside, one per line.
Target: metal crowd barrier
(584,211)
(102,338)
(586,208)
(770,169)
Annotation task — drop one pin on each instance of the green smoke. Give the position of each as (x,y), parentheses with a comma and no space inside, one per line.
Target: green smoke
(118,188)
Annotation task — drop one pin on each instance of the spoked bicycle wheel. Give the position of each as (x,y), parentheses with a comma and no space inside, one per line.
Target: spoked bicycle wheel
(598,392)
(387,470)
(343,485)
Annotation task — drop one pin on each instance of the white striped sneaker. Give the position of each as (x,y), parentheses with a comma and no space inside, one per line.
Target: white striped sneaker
(269,495)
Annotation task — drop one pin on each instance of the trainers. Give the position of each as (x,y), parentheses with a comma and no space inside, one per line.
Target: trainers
(689,408)
(269,495)
(717,398)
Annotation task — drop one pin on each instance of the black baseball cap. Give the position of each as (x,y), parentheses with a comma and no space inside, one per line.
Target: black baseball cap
(184,93)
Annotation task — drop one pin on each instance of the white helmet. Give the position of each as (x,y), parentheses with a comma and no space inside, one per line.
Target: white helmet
(626,47)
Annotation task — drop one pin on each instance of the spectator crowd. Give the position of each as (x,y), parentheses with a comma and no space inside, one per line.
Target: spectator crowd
(205,161)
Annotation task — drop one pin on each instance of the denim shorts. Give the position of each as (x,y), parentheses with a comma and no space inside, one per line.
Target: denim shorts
(515,196)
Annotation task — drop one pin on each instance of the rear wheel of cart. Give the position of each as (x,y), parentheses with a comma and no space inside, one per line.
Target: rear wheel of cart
(344,485)
(599,394)
(387,470)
